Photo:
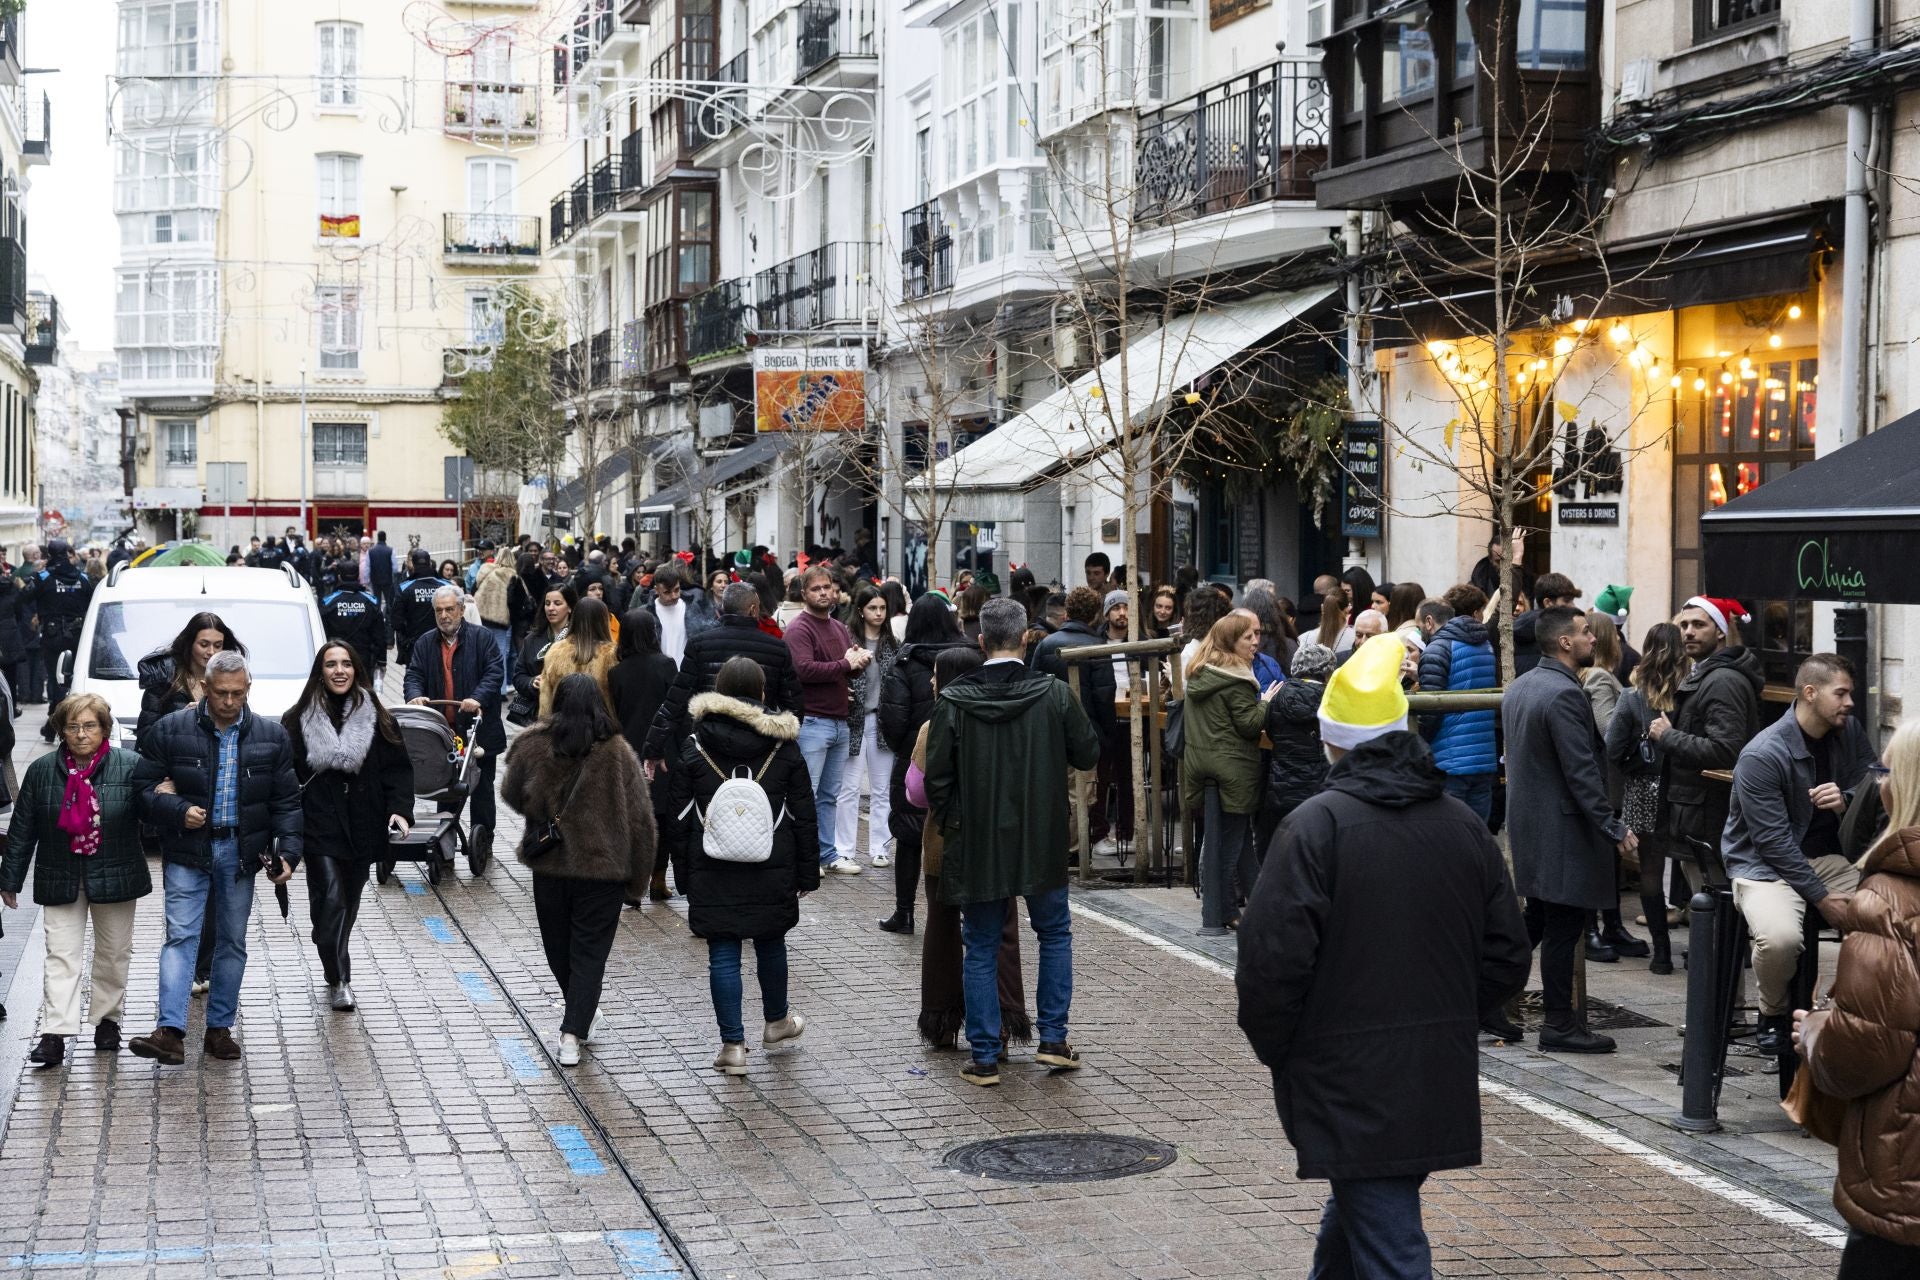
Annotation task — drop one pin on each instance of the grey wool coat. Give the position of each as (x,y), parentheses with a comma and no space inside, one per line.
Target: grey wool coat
(1560,824)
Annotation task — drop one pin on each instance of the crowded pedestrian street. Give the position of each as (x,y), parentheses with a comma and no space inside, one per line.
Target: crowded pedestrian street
(430,1133)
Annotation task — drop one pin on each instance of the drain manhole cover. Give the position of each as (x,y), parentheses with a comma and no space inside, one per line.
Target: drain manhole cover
(1061,1157)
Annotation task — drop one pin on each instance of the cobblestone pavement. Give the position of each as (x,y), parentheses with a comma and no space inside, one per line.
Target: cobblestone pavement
(429,1133)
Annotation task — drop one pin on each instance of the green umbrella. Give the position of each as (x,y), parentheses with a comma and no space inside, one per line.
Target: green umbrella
(187,555)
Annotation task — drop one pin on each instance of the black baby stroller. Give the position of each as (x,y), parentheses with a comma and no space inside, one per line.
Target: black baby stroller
(444,766)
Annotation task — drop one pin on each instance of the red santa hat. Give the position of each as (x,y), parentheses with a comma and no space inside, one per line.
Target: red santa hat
(1719,609)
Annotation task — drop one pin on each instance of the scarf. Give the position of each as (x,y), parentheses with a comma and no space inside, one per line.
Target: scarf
(80,805)
(342,750)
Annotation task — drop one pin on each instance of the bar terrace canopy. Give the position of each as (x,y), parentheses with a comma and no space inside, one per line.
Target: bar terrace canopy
(1845,527)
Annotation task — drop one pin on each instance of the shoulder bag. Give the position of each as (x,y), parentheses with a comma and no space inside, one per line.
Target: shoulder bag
(548,838)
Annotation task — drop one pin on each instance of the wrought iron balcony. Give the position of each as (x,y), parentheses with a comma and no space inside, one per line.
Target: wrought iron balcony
(489,237)
(831,29)
(36,130)
(13,273)
(610,179)
(831,285)
(600,360)
(478,107)
(724,108)
(43,328)
(1258,137)
(568,368)
(926,258)
(562,66)
(716,320)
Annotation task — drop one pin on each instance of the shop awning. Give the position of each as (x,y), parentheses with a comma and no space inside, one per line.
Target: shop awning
(1844,527)
(710,472)
(1076,422)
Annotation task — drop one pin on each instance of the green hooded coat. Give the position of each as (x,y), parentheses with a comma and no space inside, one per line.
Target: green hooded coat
(1224,720)
(998,749)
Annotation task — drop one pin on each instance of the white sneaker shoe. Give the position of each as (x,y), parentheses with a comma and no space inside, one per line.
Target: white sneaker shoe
(882,859)
(1107,848)
(843,867)
(788,1028)
(200,986)
(732,1060)
(597,1027)
(569,1049)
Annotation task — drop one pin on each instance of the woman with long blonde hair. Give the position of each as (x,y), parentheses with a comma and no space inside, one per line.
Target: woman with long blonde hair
(1632,750)
(1862,1048)
(587,648)
(1224,717)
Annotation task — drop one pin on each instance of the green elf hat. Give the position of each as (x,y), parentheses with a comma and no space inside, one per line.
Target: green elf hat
(1613,600)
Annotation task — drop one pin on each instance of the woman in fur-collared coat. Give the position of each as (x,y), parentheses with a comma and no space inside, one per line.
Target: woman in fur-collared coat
(575,769)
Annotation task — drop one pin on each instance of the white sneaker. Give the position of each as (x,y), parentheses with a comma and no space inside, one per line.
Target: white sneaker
(598,1025)
(843,867)
(569,1049)
(1107,848)
(882,859)
(788,1028)
(732,1060)
(200,986)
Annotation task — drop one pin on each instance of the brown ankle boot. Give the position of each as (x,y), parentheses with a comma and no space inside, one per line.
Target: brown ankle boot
(658,889)
(166,1045)
(221,1044)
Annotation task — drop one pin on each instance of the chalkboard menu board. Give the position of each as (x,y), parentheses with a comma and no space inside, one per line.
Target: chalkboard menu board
(1251,560)
(1362,473)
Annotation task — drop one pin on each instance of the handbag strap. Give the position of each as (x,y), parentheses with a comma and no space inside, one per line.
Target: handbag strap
(578,775)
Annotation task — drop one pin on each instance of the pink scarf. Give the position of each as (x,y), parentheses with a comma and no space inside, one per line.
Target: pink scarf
(80,807)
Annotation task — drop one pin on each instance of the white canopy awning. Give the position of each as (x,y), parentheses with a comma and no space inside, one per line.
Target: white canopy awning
(1077,421)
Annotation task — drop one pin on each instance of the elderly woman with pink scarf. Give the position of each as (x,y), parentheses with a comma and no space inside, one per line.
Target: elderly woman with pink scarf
(76,812)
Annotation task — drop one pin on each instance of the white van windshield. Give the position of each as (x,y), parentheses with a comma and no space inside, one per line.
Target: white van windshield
(278,635)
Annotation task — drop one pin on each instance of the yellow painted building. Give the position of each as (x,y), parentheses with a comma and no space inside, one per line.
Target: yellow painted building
(318,204)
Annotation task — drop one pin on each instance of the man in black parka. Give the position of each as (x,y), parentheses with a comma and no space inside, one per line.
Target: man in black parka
(1376,938)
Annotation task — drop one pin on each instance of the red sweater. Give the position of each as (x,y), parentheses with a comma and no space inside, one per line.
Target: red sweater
(819,648)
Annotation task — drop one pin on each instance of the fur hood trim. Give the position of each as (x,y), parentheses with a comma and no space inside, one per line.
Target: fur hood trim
(773,724)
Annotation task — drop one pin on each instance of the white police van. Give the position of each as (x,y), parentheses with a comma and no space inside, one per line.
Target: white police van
(136,612)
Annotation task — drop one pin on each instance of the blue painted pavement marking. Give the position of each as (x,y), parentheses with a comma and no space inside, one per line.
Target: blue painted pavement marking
(477,989)
(640,1256)
(574,1146)
(518,1055)
(436,928)
(414,887)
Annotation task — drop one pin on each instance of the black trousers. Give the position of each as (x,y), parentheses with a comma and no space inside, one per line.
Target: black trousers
(1556,930)
(578,919)
(333,902)
(1869,1257)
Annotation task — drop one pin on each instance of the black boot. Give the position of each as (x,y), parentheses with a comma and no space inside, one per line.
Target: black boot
(1773,1035)
(1498,1025)
(899,922)
(1598,951)
(1662,961)
(50,1052)
(1615,935)
(1572,1036)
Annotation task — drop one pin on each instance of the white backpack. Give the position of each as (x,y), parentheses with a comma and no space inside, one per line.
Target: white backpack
(739,820)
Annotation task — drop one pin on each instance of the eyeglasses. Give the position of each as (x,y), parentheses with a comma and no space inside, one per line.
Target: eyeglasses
(88,727)
(1878,770)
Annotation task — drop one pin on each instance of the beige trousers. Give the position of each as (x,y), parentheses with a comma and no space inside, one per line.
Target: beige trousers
(1775,914)
(66,942)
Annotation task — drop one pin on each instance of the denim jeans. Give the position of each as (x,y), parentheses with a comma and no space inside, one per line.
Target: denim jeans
(723,979)
(502,636)
(980,926)
(1474,790)
(188,893)
(823,744)
(1370,1230)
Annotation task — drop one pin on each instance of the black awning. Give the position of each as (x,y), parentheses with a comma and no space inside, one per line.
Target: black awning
(1846,527)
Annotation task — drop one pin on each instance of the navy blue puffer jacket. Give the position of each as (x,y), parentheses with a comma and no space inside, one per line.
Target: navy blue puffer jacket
(1458,658)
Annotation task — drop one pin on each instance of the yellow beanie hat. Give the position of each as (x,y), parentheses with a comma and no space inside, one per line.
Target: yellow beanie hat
(1364,699)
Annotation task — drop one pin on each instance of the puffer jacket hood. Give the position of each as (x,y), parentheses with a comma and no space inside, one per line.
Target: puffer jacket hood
(734,719)
(1466,630)
(1862,1049)
(998,702)
(1394,769)
(1738,658)
(156,670)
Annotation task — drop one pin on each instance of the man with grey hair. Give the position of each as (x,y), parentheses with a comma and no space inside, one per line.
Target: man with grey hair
(999,747)
(459,662)
(218,782)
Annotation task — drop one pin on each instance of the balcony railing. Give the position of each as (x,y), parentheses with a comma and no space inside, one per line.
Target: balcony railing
(831,29)
(826,286)
(926,258)
(610,179)
(568,367)
(490,236)
(43,328)
(36,129)
(10,50)
(722,112)
(476,107)
(13,274)
(600,359)
(717,320)
(633,351)
(1258,137)
(562,66)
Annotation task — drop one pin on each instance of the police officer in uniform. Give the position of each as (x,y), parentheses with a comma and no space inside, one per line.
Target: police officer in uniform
(413,601)
(61,591)
(353,615)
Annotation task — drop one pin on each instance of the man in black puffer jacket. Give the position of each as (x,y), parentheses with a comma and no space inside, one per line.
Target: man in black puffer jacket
(737,635)
(1717,716)
(218,782)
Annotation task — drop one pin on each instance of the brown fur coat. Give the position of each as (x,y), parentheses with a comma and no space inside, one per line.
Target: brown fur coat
(609,827)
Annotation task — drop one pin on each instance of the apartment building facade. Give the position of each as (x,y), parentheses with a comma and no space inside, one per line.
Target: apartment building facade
(28,323)
(319,206)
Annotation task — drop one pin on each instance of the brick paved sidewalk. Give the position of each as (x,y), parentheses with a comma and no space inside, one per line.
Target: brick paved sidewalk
(428,1134)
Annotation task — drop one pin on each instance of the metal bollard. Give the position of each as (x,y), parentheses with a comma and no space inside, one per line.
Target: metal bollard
(1704,1057)
(1216,878)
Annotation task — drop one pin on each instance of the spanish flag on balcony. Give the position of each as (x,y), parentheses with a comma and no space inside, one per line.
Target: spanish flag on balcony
(345,226)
